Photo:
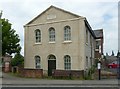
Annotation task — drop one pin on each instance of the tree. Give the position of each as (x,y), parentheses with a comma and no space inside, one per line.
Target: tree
(107,55)
(10,40)
(17,60)
(0,35)
(118,54)
(112,53)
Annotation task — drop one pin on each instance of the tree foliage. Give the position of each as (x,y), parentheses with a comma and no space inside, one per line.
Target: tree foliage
(118,54)
(17,60)
(112,53)
(107,54)
(10,40)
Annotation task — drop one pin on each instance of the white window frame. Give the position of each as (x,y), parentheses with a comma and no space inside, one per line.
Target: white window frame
(37,36)
(98,44)
(51,34)
(67,62)
(37,62)
(67,33)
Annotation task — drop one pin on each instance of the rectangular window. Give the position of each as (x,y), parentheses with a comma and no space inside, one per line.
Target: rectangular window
(86,62)
(97,44)
(86,35)
(90,40)
(90,61)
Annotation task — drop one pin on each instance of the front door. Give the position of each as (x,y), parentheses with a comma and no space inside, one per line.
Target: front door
(51,66)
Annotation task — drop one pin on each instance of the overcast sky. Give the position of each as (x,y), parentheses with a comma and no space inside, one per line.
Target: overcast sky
(103,14)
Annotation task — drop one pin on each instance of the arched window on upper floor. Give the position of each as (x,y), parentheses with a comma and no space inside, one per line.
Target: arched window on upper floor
(51,34)
(67,33)
(37,36)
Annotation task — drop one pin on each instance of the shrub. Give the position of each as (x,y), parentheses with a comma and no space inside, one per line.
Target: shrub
(17,60)
(91,71)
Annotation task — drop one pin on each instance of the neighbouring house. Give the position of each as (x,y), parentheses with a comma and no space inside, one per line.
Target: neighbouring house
(99,43)
(59,42)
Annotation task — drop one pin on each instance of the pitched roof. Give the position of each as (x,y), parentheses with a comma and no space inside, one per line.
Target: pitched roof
(99,33)
(56,8)
(89,28)
(111,58)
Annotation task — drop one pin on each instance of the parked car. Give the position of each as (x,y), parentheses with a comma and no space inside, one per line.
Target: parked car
(114,64)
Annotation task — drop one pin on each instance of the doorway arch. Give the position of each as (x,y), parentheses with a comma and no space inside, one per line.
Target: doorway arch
(51,64)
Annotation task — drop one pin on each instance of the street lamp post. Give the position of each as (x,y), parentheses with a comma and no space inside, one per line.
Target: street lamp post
(99,66)
(99,69)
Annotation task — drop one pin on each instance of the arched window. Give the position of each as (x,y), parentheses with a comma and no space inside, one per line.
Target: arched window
(67,62)
(51,34)
(38,35)
(67,33)
(37,62)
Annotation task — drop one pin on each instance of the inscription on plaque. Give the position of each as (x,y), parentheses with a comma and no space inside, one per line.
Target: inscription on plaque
(51,16)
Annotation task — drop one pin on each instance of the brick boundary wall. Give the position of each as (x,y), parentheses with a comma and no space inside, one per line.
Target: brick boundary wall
(68,73)
(32,73)
(106,75)
(6,70)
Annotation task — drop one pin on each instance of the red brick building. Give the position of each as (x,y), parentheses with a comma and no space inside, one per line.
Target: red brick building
(99,43)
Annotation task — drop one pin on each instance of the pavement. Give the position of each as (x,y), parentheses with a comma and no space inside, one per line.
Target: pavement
(11,81)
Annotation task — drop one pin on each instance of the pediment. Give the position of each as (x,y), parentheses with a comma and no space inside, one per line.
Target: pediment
(52,14)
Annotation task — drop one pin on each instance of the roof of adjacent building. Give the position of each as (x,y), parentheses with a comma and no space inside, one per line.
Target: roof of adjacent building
(99,33)
(111,58)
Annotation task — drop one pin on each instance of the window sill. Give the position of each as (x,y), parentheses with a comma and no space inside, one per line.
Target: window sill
(67,42)
(52,42)
(96,49)
(38,43)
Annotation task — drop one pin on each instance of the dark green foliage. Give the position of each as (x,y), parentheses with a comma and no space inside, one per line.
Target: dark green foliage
(112,53)
(91,70)
(89,73)
(104,57)
(17,60)
(118,54)
(10,40)
(107,54)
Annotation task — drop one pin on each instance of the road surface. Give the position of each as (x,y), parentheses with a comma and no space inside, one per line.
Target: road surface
(12,81)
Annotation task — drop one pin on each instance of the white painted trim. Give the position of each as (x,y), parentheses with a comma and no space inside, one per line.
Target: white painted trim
(96,49)
(38,43)
(55,21)
(52,42)
(98,39)
(69,41)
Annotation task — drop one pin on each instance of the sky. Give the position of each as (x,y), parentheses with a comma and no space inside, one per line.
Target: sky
(99,13)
